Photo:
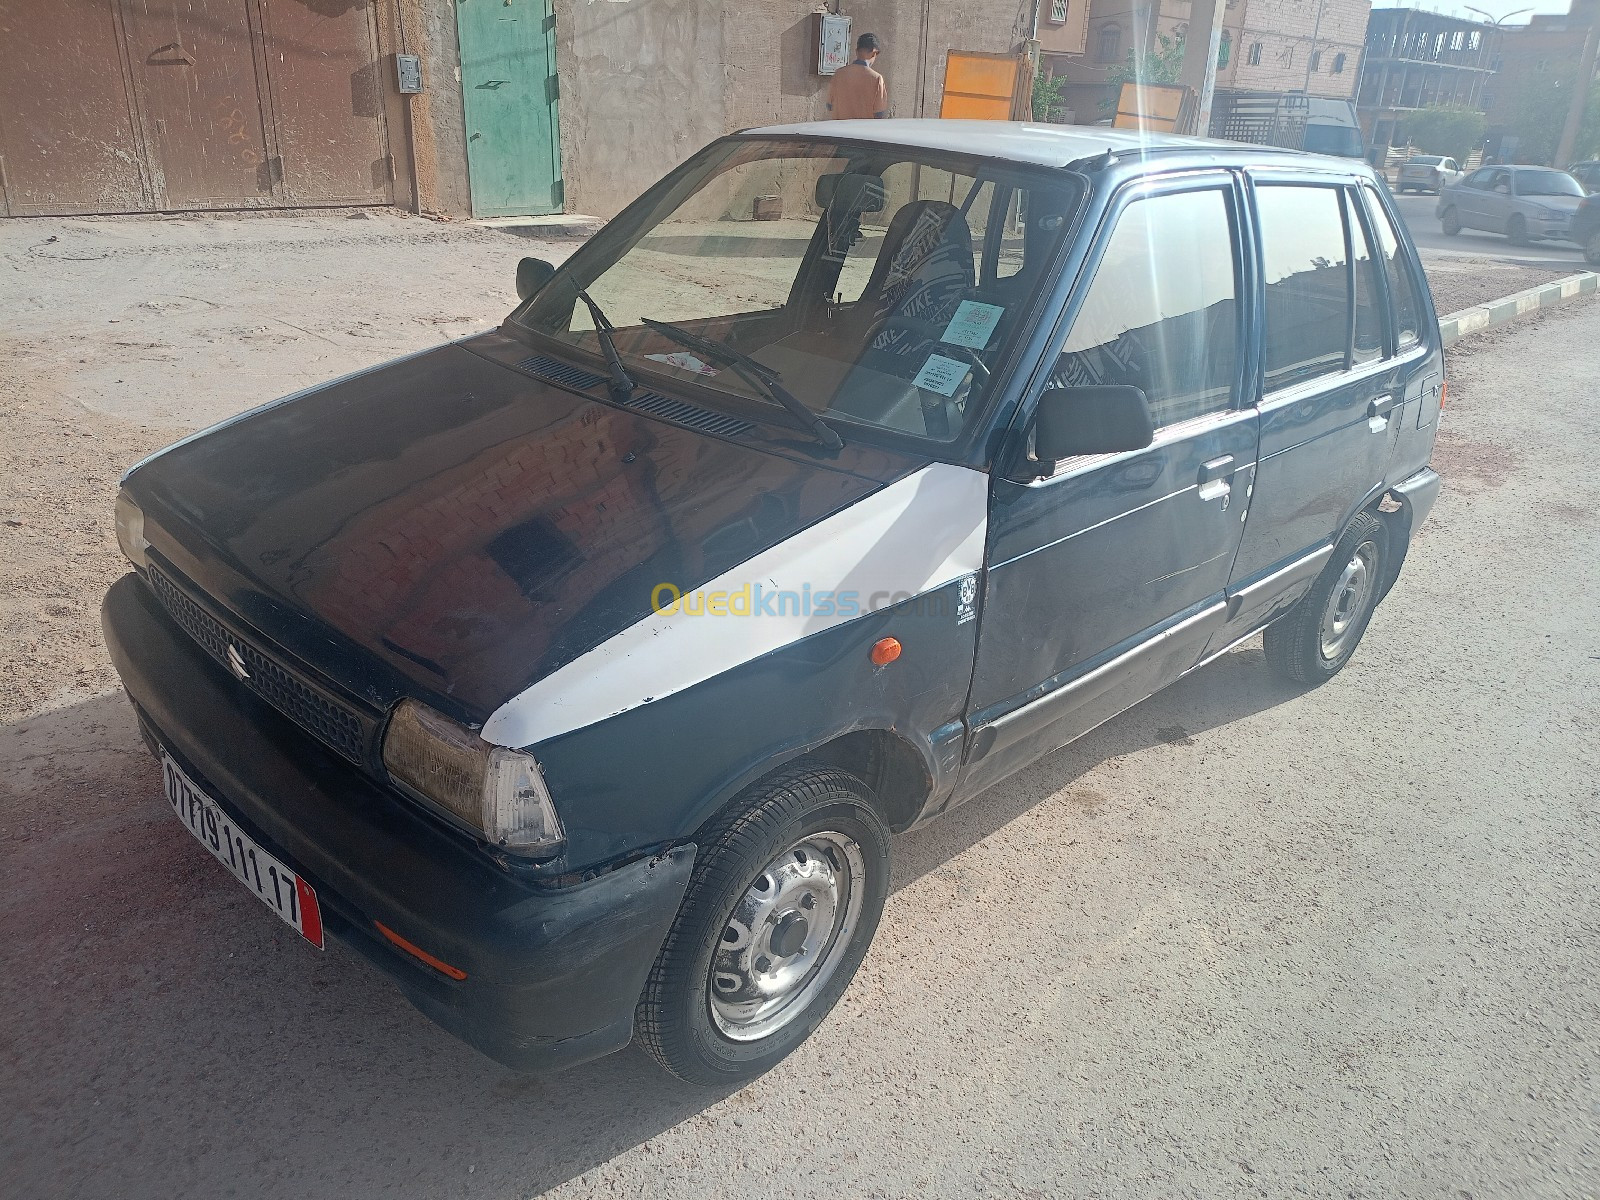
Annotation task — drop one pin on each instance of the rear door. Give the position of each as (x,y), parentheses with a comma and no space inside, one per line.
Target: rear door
(1106,579)
(1331,392)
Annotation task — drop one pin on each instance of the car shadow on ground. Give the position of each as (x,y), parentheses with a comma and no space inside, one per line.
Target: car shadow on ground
(167,1037)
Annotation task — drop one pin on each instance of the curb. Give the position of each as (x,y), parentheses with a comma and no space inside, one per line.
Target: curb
(1508,308)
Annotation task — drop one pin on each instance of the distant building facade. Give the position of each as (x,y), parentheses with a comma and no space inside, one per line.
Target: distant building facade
(1539,57)
(1311,46)
(1417,59)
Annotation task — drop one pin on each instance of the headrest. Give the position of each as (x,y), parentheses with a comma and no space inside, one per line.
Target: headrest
(850,192)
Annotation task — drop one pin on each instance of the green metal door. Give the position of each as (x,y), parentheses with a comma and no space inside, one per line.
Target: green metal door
(508,86)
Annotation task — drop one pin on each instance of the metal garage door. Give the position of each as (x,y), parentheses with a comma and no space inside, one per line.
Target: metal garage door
(151,105)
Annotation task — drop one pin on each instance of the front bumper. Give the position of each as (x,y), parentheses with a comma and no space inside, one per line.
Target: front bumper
(553,973)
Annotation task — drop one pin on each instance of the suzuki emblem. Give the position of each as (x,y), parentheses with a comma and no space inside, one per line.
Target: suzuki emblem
(236,662)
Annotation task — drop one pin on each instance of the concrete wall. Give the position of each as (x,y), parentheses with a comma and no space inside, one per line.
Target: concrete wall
(438,131)
(645,83)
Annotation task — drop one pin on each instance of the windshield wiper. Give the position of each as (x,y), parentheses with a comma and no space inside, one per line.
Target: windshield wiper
(621,386)
(758,374)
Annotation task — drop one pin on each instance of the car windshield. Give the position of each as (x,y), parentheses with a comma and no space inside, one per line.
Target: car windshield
(878,285)
(1547,183)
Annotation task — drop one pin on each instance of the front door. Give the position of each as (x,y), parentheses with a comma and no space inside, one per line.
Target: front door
(1107,579)
(508,86)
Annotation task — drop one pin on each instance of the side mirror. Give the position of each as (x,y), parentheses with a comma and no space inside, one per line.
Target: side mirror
(1091,420)
(532,274)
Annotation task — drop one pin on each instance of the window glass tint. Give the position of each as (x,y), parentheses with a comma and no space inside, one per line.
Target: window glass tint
(1368,343)
(1162,312)
(1402,292)
(1307,280)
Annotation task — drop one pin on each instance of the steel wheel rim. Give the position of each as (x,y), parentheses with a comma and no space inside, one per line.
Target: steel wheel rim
(786,936)
(1341,616)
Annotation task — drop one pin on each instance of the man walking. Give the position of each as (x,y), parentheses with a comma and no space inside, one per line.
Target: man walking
(858,90)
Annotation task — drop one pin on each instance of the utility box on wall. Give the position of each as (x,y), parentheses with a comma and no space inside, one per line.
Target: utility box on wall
(831,43)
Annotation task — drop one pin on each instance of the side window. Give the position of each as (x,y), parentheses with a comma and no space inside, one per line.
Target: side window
(1162,313)
(1480,178)
(1402,289)
(1307,277)
(1367,344)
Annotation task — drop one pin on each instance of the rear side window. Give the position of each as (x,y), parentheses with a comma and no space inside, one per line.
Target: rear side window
(1402,290)
(1162,313)
(1367,344)
(1307,274)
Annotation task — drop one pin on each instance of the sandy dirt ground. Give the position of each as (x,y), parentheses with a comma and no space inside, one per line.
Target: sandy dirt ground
(122,335)
(1241,941)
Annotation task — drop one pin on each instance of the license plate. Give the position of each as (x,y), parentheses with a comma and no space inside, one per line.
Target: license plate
(274,884)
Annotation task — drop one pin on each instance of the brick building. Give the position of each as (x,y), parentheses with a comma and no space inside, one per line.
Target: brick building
(524,107)
(1311,46)
(1535,62)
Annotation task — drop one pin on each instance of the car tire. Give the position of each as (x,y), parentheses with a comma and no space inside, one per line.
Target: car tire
(1312,642)
(1450,222)
(1591,249)
(1517,229)
(731,993)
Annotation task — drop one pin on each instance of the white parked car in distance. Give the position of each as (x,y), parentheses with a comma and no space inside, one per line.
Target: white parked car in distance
(1427,173)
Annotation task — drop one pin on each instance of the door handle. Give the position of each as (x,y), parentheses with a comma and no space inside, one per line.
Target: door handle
(1216,478)
(1378,410)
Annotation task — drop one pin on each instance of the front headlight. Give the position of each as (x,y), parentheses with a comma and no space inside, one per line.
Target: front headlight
(130,531)
(499,792)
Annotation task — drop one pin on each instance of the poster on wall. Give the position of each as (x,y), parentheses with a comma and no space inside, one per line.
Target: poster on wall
(833,42)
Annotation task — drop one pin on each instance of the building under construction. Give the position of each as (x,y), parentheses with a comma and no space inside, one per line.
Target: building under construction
(1418,60)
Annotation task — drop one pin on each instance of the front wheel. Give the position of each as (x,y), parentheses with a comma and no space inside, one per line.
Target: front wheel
(1451,222)
(1314,640)
(1517,230)
(787,889)
(1591,249)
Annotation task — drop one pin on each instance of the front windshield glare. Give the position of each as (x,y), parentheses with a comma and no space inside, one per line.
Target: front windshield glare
(880,286)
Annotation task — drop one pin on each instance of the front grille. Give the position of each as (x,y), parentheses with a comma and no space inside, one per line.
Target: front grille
(337,725)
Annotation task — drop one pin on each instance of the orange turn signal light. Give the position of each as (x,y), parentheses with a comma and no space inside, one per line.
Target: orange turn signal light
(884,651)
(1444,394)
(417,952)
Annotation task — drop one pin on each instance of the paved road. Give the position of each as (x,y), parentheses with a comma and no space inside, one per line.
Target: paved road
(1241,940)
(1418,212)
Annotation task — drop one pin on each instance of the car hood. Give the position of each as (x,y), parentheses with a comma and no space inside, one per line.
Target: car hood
(453,527)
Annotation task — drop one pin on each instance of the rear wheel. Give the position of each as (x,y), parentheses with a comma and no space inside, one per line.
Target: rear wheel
(1451,222)
(1314,640)
(1517,230)
(786,893)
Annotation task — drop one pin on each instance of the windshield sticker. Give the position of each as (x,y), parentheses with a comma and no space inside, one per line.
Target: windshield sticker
(941,374)
(684,362)
(973,325)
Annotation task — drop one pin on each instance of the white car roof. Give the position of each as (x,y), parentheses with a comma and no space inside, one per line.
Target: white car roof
(1046,145)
